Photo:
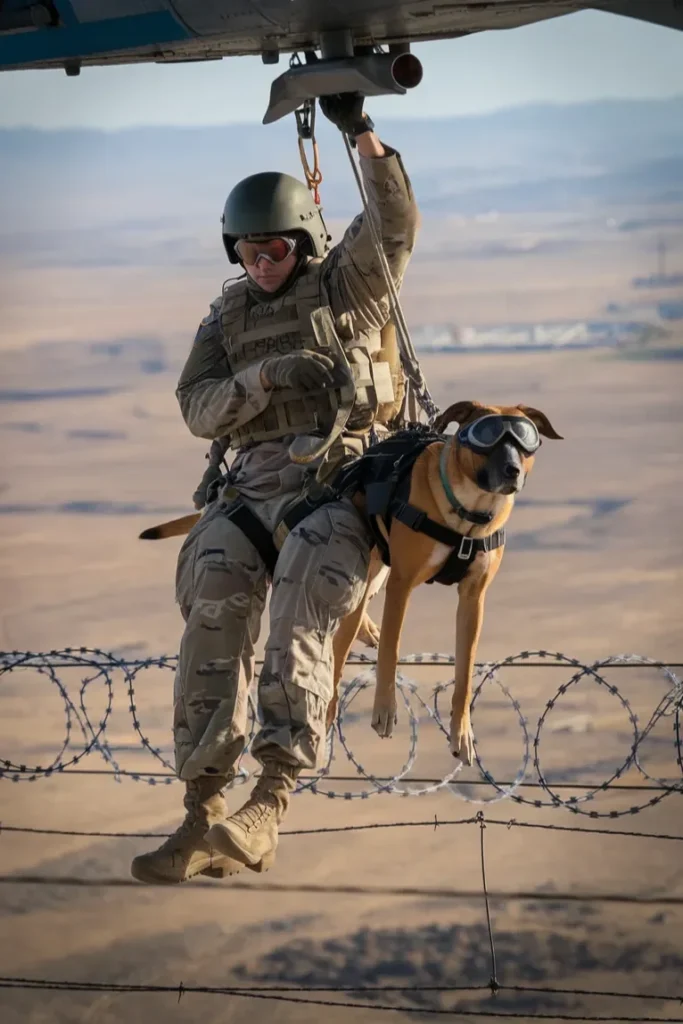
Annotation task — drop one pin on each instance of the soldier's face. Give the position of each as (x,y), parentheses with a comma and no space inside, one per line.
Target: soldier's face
(271,276)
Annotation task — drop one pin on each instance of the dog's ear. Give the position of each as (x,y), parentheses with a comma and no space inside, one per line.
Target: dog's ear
(542,422)
(457,413)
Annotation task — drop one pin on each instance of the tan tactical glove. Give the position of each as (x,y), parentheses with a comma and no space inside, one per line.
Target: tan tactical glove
(298,371)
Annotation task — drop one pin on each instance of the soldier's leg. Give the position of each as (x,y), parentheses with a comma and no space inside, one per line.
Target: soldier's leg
(221,588)
(320,578)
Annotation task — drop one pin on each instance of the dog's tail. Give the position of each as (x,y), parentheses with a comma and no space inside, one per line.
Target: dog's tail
(174,528)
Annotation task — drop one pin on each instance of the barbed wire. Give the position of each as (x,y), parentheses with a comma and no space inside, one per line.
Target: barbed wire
(431,823)
(580,786)
(102,668)
(304,995)
(275,993)
(98,986)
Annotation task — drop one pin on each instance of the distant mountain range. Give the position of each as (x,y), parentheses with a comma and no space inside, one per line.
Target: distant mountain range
(530,158)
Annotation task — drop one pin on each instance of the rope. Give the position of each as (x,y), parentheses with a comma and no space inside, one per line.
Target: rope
(305,128)
(409,357)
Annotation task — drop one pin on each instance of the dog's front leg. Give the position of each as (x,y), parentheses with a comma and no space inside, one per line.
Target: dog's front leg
(469,618)
(395,605)
(368,632)
(342,644)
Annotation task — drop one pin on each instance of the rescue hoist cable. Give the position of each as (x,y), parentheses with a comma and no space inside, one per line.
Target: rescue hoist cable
(411,365)
(305,127)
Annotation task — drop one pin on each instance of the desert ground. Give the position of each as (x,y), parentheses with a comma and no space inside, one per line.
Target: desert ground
(593,568)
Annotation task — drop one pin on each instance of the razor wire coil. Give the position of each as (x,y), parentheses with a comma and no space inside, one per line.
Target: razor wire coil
(108,672)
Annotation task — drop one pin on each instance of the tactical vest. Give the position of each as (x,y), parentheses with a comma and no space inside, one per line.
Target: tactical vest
(289,329)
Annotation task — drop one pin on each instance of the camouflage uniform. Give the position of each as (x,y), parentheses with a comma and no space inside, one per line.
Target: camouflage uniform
(322,568)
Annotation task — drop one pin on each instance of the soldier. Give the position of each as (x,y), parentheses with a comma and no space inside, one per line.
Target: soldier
(256,376)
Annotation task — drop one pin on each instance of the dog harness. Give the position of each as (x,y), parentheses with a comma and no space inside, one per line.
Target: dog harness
(382,474)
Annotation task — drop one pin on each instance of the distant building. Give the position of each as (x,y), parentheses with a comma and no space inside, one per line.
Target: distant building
(436,337)
(659,281)
(671,310)
(558,334)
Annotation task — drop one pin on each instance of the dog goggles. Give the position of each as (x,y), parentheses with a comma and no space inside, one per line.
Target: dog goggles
(485,433)
(275,250)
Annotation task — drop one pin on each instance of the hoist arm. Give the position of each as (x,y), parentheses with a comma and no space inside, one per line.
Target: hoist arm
(374,74)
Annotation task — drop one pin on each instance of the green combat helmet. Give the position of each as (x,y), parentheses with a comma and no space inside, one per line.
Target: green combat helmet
(272,203)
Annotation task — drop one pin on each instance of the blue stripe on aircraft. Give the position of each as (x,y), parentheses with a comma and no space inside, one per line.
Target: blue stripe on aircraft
(90,38)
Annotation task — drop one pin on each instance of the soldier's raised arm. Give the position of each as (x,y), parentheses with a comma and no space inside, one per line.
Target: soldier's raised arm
(353,275)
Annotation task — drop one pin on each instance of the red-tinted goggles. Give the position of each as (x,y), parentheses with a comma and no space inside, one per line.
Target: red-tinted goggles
(275,250)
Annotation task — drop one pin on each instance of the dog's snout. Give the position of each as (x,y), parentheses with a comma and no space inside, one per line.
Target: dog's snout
(504,471)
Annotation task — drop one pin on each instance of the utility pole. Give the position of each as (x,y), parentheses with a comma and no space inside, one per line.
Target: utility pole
(661,249)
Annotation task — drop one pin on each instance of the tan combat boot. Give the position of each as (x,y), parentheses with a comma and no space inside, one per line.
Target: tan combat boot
(250,835)
(186,853)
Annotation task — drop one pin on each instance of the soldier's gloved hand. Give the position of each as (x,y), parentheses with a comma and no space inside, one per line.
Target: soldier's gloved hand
(345,110)
(299,371)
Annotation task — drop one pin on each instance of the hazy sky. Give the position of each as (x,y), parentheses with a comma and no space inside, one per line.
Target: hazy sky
(585,56)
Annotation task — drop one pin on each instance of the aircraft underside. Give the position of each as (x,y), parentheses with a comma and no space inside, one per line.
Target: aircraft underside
(71,34)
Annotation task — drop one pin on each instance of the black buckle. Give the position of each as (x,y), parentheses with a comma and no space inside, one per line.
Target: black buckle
(409,515)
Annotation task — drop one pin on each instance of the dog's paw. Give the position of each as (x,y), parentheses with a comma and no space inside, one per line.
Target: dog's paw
(368,633)
(462,739)
(384,717)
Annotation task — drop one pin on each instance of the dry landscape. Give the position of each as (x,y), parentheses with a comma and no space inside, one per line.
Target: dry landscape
(94,450)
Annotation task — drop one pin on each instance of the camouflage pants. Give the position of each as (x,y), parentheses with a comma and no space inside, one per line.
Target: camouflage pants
(221,587)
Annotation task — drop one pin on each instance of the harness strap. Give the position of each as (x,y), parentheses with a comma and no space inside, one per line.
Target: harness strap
(385,500)
(465,549)
(419,521)
(320,495)
(254,530)
(460,559)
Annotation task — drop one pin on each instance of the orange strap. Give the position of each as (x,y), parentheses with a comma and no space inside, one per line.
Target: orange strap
(314,177)
(305,120)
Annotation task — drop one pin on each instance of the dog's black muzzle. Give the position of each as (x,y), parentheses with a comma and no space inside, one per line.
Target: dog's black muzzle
(503,472)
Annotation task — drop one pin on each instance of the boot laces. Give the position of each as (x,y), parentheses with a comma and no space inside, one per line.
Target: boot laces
(255,811)
(188,826)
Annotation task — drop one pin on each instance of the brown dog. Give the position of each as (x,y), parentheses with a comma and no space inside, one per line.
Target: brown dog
(482,483)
